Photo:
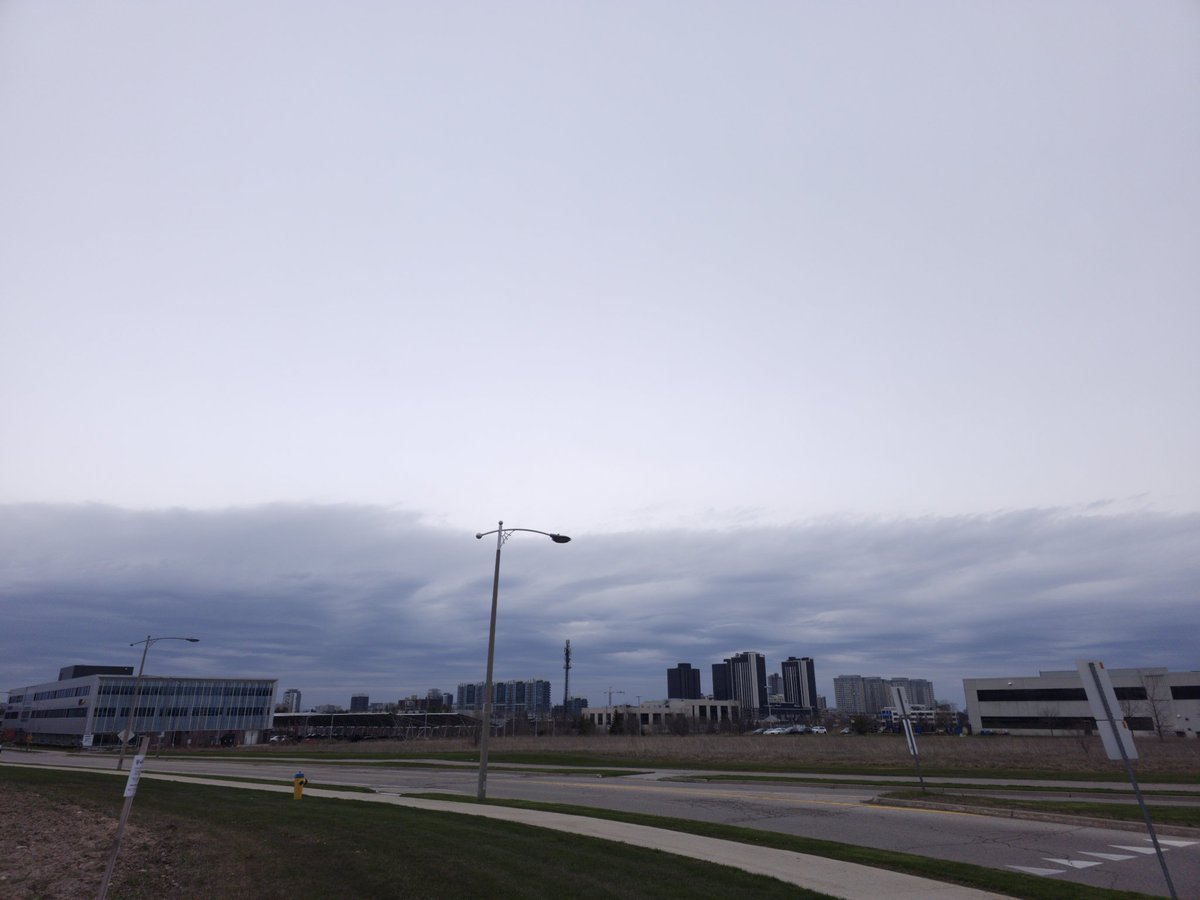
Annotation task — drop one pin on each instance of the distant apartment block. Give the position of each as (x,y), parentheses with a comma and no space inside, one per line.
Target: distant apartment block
(742,678)
(683,682)
(919,690)
(800,682)
(291,700)
(530,697)
(867,695)
(360,703)
(576,707)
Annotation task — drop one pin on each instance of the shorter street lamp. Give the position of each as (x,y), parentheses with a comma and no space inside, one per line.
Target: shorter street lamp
(137,686)
(502,535)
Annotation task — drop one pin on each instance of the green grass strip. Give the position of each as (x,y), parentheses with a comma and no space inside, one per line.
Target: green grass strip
(599,760)
(1187,816)
(941,785)
(1009,883)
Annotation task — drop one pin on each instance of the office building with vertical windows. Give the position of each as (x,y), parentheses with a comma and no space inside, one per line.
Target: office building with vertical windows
(90,705)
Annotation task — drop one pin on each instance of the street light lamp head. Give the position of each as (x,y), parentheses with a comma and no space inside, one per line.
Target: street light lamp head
(193,640)
(560,539)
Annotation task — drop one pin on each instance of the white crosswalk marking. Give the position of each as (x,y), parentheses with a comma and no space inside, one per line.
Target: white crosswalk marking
(1106,857)
(1030,870)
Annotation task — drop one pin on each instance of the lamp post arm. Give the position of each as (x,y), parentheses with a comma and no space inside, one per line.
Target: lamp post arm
(505,532)
(137,684)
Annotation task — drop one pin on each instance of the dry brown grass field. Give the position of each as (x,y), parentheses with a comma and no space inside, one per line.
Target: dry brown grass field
(799,752)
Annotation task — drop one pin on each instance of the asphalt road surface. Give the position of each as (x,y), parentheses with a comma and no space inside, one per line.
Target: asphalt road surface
(1102,857)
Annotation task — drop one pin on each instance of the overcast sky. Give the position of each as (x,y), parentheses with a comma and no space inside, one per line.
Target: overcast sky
(860,331)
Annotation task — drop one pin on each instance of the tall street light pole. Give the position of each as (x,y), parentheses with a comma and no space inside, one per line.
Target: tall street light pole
(137,686)
(502,535)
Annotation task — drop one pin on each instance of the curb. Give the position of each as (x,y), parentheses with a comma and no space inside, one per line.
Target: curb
(1033,816)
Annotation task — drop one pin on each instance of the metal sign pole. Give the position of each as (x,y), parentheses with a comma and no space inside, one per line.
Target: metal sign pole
(1093,669)
(901,701)
(131,783)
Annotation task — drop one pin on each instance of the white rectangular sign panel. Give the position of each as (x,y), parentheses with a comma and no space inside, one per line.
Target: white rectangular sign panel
(900,702)
(1114,730)
(135,773)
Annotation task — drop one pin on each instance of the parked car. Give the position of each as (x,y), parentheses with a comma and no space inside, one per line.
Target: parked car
(819,729)
(776,731)
(846,730)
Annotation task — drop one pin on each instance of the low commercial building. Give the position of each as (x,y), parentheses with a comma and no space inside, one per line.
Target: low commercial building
(924,718)
(1153,701)
(90,705)
(661,715)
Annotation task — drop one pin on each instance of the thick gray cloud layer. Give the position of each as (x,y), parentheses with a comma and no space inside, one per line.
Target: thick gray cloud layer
(340,599)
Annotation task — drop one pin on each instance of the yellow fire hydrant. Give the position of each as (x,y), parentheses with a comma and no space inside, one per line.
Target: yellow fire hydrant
(298,783)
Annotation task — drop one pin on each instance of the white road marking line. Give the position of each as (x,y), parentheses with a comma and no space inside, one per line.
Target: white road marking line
(1145,850)
(1073,863)
(1030,870)
(1111,857)
(1171,843)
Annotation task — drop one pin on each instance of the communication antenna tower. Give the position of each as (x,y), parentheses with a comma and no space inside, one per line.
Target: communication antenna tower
(566,679)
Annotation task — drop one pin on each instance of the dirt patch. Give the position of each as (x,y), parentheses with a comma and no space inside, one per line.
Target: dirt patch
(55,850)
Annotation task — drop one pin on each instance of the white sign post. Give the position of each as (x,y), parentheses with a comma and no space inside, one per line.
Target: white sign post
(1117,738)
(131,783)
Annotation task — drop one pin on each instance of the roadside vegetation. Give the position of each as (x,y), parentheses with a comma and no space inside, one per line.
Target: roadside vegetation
(200,841)
(1160,813)
(1059,758)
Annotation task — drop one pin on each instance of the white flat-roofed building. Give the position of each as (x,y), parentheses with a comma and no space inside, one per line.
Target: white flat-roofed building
(1153,701)
(92,709)
(656,715)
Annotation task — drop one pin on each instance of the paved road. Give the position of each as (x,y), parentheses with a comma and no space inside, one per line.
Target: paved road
(1102,857)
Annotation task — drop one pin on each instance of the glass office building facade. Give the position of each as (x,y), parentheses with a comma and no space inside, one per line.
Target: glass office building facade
(93,709)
